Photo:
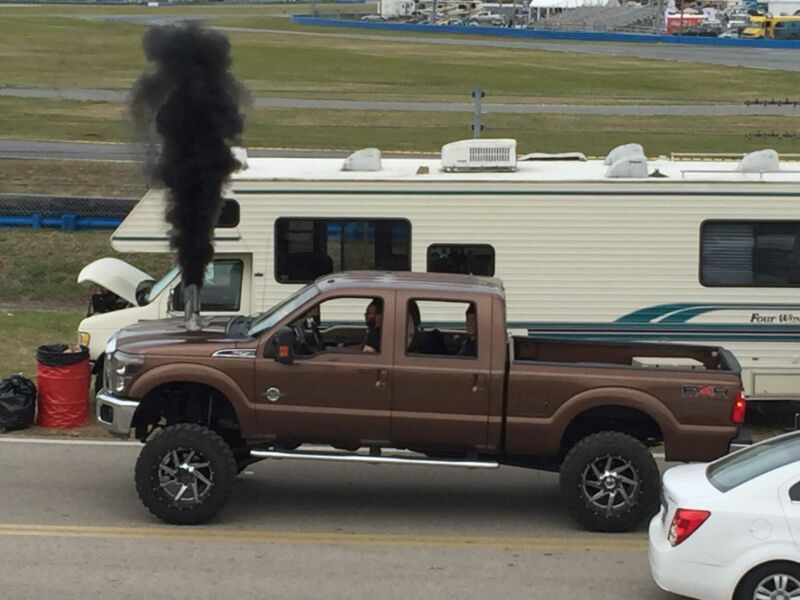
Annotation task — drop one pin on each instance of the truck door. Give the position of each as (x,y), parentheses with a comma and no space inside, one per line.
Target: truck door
(334,391)
(441,374)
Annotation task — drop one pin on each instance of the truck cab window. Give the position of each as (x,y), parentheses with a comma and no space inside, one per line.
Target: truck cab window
(307,248)
(350,324)
(441,328)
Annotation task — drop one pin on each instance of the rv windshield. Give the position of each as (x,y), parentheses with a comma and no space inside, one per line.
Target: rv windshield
(268,319)
(162,283)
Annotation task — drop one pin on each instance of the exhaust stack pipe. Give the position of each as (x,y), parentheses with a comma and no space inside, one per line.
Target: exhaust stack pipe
(192,307)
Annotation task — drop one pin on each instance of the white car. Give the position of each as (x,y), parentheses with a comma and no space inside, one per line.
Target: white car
(731,529)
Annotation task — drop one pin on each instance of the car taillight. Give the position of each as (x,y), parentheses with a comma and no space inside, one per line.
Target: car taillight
(685,523)
(739,408)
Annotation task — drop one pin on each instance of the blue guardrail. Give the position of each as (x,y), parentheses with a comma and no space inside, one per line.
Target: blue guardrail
(67,222)
(586,36)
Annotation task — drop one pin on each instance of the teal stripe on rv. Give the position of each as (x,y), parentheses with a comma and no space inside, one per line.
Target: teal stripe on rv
(681,313)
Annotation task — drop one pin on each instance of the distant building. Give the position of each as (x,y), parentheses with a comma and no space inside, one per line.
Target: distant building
(393,9)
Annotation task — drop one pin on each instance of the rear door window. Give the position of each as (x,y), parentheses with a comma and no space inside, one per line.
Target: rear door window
(738,468)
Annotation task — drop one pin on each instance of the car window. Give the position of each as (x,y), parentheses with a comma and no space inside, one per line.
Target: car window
(222,287)
(794,492)
(738,468)
(441,328)
(341,324)
(161,284)
(271,317)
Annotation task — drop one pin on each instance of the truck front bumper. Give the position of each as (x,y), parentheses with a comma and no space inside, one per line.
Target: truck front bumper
(115,414)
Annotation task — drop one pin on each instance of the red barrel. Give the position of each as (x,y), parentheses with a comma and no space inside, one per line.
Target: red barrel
(63,379)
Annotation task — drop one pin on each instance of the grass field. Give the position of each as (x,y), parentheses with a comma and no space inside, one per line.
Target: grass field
(422,131)
(40,267)
(25,330)
(57,46)
(72,178)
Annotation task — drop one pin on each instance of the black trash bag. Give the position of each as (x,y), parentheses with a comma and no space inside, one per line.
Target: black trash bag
(17,403)
(60,355)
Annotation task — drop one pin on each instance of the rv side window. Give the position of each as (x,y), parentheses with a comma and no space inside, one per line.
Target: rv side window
(229,215)
(750,253)
(468,259)
(222,287)
(308,248)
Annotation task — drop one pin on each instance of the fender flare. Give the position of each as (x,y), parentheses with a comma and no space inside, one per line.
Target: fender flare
(200,374)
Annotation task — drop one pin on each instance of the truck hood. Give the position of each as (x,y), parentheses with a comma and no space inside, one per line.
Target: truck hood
(148,335)
(116,276)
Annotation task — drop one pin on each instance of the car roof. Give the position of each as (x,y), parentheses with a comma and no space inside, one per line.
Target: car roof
(403,280)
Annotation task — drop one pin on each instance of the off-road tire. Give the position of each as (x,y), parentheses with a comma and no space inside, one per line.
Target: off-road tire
(623,449)
(220,472)
(747,587)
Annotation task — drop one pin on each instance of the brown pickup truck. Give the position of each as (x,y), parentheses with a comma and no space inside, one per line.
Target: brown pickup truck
(407,368)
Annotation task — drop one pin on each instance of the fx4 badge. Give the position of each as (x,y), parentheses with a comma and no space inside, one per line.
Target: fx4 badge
(704,391)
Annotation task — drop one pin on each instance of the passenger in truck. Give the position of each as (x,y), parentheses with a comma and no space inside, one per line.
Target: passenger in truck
(469,346)
(374,319)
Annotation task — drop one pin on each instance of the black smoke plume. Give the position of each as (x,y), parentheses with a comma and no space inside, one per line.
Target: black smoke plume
(190,98)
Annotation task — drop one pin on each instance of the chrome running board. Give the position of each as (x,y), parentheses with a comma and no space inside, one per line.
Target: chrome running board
(373,459)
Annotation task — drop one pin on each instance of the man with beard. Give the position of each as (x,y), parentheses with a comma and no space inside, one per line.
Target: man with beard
(374,319)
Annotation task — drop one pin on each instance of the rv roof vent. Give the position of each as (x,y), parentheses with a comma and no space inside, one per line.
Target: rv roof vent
(625,150)
(480,155)
(630,167)
(762,161)
(240,156)
(367,159)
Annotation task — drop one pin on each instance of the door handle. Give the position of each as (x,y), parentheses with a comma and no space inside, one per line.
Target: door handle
(477,380)
(383,377)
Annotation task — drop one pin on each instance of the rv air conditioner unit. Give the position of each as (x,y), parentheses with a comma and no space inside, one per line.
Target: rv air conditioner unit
(480,155)
(761,161)
(366,159)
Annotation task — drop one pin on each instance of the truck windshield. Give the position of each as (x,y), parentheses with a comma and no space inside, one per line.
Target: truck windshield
(159,285)
(741,467)
(268,319)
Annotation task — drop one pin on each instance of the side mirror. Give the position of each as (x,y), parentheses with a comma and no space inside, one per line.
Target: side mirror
(284,351)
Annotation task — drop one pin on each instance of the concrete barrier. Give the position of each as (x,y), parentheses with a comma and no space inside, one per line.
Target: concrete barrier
(540,34)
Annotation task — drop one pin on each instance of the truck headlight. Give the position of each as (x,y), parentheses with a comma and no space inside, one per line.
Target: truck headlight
(84,337)
(120,368)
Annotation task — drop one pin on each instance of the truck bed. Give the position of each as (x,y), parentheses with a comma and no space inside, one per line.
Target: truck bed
(555,387)
(630,354)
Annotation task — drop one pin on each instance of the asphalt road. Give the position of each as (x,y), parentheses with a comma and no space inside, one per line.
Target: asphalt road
(687,110)
(72,527)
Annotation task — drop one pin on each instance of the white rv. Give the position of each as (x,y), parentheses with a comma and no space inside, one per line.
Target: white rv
(672,249)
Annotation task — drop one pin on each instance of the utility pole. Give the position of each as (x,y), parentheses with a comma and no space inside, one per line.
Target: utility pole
(477,126)
(433,13)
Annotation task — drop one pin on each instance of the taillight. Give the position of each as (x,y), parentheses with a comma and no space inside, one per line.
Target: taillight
(739,408)
(685,523)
